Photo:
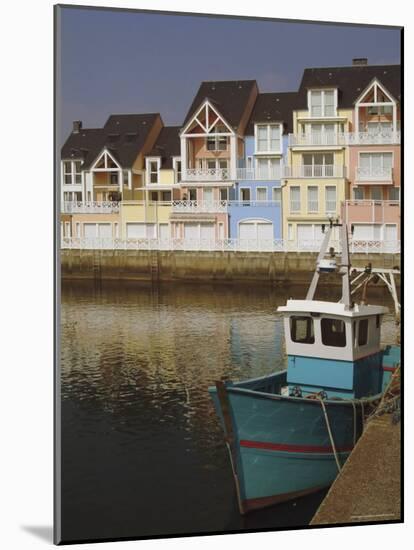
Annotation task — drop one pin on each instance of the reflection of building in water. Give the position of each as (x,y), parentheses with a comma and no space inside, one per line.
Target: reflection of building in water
(256,344)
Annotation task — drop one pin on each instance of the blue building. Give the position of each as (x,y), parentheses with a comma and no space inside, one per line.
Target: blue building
(255,208)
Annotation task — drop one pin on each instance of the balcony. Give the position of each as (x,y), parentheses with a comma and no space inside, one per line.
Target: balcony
(343,139)
(206,175)
(373,138)
(315,171)
(90,207)
(370,211)
(195,207)
(274,173)
(317,139)
(375,175)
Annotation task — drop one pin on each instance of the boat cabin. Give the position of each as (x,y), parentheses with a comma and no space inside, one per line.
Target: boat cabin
(333,348)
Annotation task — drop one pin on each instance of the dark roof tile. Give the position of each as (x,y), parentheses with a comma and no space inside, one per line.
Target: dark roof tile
(350,81)
(123,135)
(273,107)
(230,97)
(167,146)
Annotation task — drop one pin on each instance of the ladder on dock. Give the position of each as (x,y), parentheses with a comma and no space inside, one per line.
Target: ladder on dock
(154,266)
(362,276)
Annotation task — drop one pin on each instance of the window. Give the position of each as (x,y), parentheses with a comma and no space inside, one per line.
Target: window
(72,172)
(363,332)
(268,168)
(322,103)
(268,138)
(376,193)
(318,165)
(211,164)
(358,194)
(245,194)
(394,194)
(153,171)
(313,199)
(125,178)
(166,196)
(301,330)
(375,164)
(216,143)
(322,134)
(333,332)
(113,178)
(375,128)
(330,199)
(154,196)
(177,168)
(224,194)
(261,193)
(295,199)
(192,194)
(276,194)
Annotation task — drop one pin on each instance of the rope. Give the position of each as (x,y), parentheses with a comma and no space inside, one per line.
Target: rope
(354,408)
(338,464)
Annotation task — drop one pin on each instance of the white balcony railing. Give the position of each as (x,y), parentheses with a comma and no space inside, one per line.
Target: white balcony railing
(90,207)
(315,171)
(371,173)
(209,174)
(236,245)
(199,206)
(371,211)
(320,139)
(373,138)
(314,139)
(273,173)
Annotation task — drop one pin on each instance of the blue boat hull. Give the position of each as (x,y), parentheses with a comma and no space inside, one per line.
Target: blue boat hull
(279,446)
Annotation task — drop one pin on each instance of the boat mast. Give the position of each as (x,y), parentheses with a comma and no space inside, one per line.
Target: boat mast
(344,265)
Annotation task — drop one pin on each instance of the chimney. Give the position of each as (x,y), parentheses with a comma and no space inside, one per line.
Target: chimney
(360,61)
(77,126)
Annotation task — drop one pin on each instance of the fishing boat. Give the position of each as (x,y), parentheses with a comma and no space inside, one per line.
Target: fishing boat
(289,433)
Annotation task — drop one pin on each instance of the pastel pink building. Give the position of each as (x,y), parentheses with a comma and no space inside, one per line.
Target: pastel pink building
(373,207)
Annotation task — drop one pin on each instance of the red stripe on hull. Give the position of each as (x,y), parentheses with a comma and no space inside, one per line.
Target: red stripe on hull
(390,369)
(291,448)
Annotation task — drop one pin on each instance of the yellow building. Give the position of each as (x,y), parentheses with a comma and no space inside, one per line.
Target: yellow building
(316,180)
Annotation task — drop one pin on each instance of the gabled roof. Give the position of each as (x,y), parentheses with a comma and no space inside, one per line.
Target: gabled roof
(273,107)
(229,97)
(167,146)
(350,81)
(123,136)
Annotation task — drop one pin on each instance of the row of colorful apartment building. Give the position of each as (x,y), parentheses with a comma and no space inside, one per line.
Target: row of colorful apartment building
(245,164)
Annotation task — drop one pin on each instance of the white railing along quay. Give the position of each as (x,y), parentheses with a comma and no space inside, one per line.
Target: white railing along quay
(90,207)
(371,173)
(209,174)
(246,245)
(315,171)
(195,207)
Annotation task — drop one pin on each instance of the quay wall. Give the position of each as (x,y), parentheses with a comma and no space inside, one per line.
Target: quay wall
(147,265)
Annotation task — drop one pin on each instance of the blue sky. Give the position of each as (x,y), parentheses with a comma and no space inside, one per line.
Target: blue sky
(129,62)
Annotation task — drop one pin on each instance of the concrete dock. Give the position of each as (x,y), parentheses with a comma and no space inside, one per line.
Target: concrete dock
(368,488)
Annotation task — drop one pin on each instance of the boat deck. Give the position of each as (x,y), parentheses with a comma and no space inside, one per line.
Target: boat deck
(368,488)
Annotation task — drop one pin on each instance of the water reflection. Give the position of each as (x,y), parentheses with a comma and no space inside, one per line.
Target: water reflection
(143,452)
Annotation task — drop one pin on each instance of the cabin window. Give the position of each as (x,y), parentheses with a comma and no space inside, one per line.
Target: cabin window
(301,330)
(333,333)
(363,332)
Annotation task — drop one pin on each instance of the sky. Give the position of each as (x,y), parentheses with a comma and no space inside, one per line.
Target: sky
(112,61)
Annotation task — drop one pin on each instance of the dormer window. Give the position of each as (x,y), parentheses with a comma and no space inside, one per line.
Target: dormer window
(268,138)
(322,103)
(153,167)
(72,173)
(216,143)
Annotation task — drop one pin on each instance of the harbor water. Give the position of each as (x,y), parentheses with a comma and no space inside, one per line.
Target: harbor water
(142,450)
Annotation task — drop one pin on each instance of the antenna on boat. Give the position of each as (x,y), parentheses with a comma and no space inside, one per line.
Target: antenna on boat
(329,265)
